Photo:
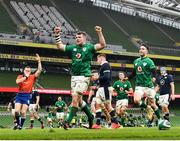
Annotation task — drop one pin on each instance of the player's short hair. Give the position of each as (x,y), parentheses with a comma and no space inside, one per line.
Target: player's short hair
(102,54)
(146,46)
(94,71)
(123,73)
(81,32)
(27,67)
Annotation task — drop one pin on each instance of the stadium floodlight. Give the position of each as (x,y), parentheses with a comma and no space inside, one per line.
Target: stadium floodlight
(152,7)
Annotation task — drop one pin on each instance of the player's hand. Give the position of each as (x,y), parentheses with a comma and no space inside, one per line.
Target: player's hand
(98,29)
(26,75)
(38,57)
(172,97)
(57,30)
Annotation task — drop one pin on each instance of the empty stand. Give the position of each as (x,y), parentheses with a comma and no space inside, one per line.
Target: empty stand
(40,18)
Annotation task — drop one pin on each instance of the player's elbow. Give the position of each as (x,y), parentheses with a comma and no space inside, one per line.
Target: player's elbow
(40,69)
(103,45)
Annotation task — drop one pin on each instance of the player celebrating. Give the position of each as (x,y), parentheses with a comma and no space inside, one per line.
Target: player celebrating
(61,107)
(145,72)
(25,83)
(165,85)
(123,88)
(81,54)
(33,109)
(103,95)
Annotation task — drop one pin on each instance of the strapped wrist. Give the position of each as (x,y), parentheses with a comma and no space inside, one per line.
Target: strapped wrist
(57,38)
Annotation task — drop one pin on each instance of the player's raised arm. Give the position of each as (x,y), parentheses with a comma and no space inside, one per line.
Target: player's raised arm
(39,69)
(102,42)
(60,45)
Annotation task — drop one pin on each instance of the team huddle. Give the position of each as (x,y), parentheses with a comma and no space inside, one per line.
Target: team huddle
(147,84)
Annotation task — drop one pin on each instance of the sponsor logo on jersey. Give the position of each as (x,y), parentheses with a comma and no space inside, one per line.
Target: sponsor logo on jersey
(121,89)
(139,69)
(78,55)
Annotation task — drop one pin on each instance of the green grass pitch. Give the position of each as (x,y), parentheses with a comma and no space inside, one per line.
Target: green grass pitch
(131,133)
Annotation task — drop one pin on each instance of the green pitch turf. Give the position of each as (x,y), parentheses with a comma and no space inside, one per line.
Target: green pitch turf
(131,133)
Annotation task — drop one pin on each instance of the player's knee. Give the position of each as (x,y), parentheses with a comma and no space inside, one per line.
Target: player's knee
(23,113)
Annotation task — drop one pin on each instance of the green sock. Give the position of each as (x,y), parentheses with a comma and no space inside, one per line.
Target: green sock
(72,113)
(87,111)
(143,104)
(157,112)
(123,121)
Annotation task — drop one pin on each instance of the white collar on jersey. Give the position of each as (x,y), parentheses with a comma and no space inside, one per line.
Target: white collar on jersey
(104,62)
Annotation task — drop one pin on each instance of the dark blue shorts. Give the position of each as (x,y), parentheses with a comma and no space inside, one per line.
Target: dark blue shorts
(23,98)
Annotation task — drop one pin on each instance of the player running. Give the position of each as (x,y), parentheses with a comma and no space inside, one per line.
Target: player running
(165,86)
(145,73)
(123,88)
(103,95)
(61,108)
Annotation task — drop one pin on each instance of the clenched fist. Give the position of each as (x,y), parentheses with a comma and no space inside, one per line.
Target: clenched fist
(57,30)
(98,28)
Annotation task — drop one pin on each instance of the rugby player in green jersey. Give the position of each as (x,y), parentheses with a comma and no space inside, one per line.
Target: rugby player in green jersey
(145,72)
(123,88)
(81,54)
(61,108)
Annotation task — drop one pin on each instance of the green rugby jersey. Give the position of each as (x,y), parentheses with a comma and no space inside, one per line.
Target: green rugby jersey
(120,88)
(61,105)
(143,68)
(81,58)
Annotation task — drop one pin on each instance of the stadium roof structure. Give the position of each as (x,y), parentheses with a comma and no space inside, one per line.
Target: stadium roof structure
(169,9)
(160,6)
